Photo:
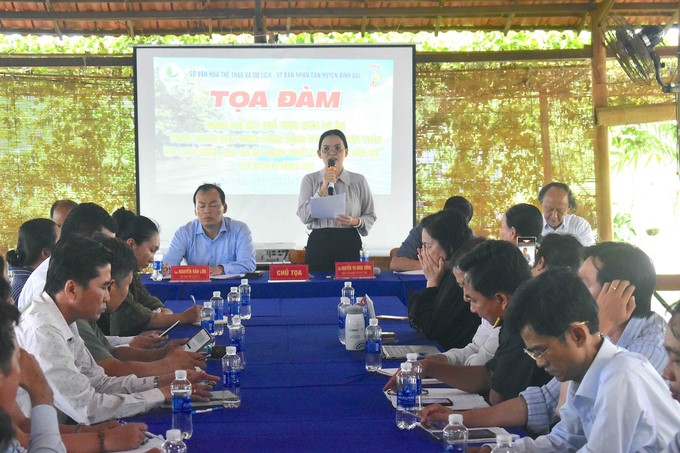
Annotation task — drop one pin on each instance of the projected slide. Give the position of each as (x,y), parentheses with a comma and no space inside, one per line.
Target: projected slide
(255,122)
(249,119)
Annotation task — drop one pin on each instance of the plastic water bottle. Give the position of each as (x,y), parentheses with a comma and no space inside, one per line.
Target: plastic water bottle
(180,389)
(361,302)
(234,303)
(504,444)
(348,292)
(342,316)
(231,379)
(218,305)
(373,346)
(364,255)
(237,338)
(208,322)
(157,274)
(173,443)
(244,291)
(455,435)
(406,398)
(355,329)
(417,369)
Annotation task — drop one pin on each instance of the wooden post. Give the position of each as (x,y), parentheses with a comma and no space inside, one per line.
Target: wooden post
(601,139)
(545,137)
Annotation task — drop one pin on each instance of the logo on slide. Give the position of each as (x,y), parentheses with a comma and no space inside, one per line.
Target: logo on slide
(171,74)
(375,75)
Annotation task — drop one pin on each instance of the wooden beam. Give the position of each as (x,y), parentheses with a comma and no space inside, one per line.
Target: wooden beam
(545,137)
(602,11)
(634,114)
(601,143)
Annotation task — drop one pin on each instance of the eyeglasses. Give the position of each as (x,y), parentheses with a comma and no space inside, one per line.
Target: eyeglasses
(536,356)
(337,149)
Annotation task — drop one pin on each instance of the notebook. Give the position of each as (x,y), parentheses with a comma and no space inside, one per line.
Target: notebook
(400,351)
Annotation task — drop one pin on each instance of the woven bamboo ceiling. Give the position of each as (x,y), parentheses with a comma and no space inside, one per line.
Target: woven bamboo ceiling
(271,17)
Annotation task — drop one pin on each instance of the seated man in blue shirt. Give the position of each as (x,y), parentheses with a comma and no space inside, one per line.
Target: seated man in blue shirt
(616,400)
(223,243)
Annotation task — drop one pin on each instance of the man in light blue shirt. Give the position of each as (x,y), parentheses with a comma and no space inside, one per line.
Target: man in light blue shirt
(616,401)
(222,243)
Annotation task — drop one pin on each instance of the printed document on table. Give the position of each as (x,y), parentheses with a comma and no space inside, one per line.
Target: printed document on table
(461,400)
(327,207)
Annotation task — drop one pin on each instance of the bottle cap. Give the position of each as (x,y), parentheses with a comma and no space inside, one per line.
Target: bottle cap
(217,294)
(348,284)
(173,435)
(406,366)
(180,374)
(504,439)
(234,289)
(207,304)
(231,350)
(354,310)
(158,257)
(236,319)
(456,418)
(244,281)
(412,356)
(373,322)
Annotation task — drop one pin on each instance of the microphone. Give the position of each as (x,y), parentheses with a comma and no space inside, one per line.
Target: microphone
(376,271)
(331,185)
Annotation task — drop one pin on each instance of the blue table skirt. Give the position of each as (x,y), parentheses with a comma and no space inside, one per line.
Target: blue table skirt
(320,285)
(301,390)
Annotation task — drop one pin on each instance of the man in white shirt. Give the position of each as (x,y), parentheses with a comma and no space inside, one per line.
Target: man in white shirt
(77,288)
(616,401)
(556,202)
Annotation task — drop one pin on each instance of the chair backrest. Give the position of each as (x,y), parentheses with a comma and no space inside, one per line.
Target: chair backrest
(296,256)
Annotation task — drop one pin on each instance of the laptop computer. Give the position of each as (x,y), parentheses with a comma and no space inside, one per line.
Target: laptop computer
(400,351)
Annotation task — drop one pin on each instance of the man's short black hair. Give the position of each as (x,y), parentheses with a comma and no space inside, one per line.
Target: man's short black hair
(9,317)
(449,228)
(558,185)
(209,186)
(550,303)
(674,322)
(78,259)
(622,261)
(495,266)
(526,219)
(560,250)
(123,260)
(62,204)
(5,287)
(462,204)
(85,220)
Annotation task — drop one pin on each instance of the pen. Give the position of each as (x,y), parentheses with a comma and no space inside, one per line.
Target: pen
(147,434)
(193,299)
(201,411)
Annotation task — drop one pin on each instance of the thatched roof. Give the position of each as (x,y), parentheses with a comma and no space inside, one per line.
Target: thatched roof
(271,17)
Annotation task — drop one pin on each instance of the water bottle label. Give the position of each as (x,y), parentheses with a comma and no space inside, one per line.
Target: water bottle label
(455,449)
(234,308)
(245,300)
(406,397)
(373,346)
(341,322)
(219,312)
(232,379)
(238,342)
(157,265)
(209,325)
(181,403)
(419,386)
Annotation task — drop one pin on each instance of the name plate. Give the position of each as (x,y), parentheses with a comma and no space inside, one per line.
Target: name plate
(280,272)
(190,274)
(354,269)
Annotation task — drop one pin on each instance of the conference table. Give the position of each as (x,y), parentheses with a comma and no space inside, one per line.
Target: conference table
(386,283)
(301,390)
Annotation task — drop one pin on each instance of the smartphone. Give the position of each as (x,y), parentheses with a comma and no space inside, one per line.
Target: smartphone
(198,341)
(170,329)
(527,245)
(437,400)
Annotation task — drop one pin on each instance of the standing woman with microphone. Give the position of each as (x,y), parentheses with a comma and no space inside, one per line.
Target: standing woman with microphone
(335,240)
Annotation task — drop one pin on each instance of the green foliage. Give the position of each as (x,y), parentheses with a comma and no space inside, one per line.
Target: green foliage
(636,145)
(623,227)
